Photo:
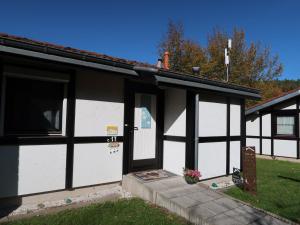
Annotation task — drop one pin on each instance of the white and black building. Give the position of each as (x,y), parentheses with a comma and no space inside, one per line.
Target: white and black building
(273,126)
(71,119)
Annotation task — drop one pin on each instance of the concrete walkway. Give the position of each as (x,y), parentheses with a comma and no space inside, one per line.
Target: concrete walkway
(196,203)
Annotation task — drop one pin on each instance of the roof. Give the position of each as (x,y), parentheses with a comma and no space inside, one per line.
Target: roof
(12,44)
(273,101)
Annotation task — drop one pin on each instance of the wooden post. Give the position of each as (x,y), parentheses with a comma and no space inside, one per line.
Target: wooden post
(249,170)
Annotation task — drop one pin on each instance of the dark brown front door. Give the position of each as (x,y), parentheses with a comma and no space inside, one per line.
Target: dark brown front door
(143,122)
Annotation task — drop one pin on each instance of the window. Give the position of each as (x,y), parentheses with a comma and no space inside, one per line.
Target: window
(146,111)
(33,107)
(285,125)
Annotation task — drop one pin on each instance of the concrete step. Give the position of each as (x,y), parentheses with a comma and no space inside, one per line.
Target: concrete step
(168,193)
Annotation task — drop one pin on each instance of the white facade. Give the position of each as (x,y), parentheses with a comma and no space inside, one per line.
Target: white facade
(99,104)
(252,126)
(287,148)
(212,159)
(174,157)
(235,155)
(212,116)
(30,169)
(213,124)
(266,125)
(286,105)
(96,164)
(266,146)
(174,125)
(235,118)
(175,112)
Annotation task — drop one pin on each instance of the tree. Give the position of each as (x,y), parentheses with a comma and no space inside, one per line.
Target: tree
(287,85)
(173,42)
(249,63)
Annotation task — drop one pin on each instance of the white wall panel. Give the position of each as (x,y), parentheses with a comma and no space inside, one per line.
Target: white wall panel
(32,169)
(253,142)
(212,159)
(235,155)
(212,117)
(235,119)
(252,126)
(266,146)
(286,105)
(99,102)
(64,115)
(285,148)
(174,157)
(266,125)
(175,112)
(96,164)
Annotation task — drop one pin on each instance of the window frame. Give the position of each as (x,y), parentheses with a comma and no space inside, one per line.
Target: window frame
(62,120)
(285,113)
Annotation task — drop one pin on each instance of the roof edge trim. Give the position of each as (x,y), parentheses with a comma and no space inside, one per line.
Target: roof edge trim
(273,102)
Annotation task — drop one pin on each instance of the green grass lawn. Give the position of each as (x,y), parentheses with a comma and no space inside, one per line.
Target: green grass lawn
(278,188)
(123,212)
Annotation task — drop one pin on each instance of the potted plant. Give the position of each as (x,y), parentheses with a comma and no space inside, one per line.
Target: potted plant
(191,176)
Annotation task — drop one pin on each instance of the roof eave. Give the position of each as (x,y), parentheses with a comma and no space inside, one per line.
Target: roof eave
(165,78)
(127,69)
(273,102)
(197,85)
(95,63)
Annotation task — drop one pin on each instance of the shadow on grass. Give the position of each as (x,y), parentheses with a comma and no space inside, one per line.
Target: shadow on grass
(289,178)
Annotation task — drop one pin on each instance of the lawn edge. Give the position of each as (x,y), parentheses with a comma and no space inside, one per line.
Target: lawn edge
(77,205)
(263,210)
(57,209)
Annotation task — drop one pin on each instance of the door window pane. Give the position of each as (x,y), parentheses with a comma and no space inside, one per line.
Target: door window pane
(146,111)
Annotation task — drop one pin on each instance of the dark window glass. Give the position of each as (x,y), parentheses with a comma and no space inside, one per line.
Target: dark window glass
(33,106)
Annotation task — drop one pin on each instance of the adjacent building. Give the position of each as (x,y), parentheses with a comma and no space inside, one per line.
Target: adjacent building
(273,126)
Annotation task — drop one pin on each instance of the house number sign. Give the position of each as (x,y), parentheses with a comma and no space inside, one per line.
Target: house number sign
(113,145)
(249,169)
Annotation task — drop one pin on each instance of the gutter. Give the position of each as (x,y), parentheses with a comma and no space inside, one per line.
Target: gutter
(165,78)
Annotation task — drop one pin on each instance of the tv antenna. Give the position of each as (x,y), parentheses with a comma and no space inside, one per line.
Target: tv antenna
(227,58)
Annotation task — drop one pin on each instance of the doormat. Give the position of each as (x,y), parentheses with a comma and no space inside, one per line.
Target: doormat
(151,175)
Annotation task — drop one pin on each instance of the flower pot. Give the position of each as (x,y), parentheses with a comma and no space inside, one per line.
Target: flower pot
(191,180)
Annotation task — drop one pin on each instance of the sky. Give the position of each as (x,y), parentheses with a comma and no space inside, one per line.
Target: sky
(132,29)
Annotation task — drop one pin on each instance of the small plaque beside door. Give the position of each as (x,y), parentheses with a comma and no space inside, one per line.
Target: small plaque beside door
(111,130)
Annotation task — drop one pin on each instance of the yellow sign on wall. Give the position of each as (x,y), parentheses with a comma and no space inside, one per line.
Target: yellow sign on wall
(111,130)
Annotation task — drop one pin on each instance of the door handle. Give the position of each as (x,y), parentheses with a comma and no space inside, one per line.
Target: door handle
(135,128)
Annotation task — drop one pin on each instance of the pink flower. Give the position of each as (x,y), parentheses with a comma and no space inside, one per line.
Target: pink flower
(192,173)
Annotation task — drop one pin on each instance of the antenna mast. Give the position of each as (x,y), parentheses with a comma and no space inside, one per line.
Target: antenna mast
(227,58)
